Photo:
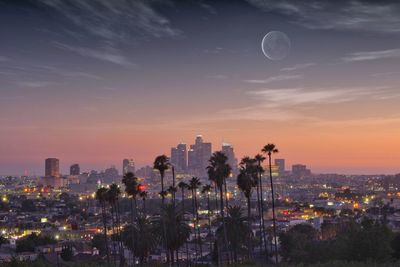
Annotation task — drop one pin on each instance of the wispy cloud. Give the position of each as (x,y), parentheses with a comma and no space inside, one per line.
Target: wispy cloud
(3,59)
(67,73)
(296,96)
(34,84)
(385,74)
(372,55)
(278,78)
(298,67)
(286,104)
(109,54)
(116,20)
(377,16)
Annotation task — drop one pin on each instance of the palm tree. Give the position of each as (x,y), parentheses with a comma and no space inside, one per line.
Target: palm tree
(270,149)
(132,190)
(143,195)
(146,238)
(218,171)
(101,196)
(113,194)
(246,180)
(237,230)
(161,163)
(260,158)
(178,230)
(194,184)
(182,185)
(206,190)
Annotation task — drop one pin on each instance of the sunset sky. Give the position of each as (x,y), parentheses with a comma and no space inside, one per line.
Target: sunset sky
(96,81)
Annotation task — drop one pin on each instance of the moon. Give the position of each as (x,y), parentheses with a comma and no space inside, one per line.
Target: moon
(275,45)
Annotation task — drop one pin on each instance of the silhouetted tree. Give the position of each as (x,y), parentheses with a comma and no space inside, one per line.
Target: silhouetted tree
(177,232)
(194,184)
(270,149)
(237,230)
(132,190)
(101,196)
(146,238)
(218,171)
(260,158)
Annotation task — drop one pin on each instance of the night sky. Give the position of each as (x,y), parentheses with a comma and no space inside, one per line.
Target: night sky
(96,81)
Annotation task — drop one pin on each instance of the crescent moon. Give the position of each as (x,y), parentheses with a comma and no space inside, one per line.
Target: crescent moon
(276,45)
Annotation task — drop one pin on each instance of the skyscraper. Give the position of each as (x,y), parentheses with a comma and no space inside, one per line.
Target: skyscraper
(198,156)
(128,165)
(52,167)
(227,149)
(179,157)
(281,165)
(74,169)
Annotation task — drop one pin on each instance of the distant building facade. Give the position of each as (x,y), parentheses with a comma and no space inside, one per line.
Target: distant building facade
(52,167)
(52,173)
(281,165)
(179,157)
(198,156)
(128,165)
(299,171)
(74,169)
(227,149)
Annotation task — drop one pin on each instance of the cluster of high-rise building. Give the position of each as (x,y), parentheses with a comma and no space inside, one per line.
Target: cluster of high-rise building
(195,159)
(192,160)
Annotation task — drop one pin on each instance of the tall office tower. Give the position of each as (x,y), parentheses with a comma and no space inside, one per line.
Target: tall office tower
(74,169)
(227,149)
(198,156)
(281,165)
(52,167)
(179,157)
(128,166)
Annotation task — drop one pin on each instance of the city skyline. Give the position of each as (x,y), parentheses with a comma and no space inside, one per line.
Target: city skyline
(83,85)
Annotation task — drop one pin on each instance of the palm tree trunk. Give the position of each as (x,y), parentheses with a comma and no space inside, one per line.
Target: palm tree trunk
(121,247)
(113,233)
(273,208)
(221,199)
(162,204)
(133,231)
(209,222)
(162,190)
(183,200)
(183,212)
(194,222)
(259,215)
(103,211)
(197,224)
(173,185)
(216,195)
(262,216)
(249,226)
